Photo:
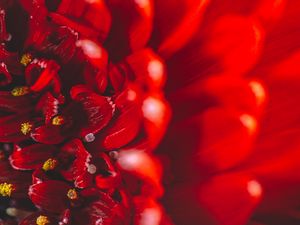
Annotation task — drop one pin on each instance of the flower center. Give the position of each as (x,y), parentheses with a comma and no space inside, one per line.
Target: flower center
(50,164)
(26,59)
(42,220)
(58,120)
(72,194)
(26,128)
(6,189)
(20,91)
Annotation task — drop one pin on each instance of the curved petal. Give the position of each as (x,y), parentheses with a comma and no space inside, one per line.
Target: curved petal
(98,110)
(102,208)
(157,113)
(136,19)
(49,134)
(89,18)
(33,218)
(124,127)
(148,68)
(31,157)
(222,41)
(179,27)
(231,198)
(11,129)
(50,195)
(145,167)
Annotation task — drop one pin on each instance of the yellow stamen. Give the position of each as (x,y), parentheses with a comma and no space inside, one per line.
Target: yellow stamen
(58,120)
(6,189)
(26,59)
(20,91)
(72,194)
(42,220)
(50,164)
(26,128)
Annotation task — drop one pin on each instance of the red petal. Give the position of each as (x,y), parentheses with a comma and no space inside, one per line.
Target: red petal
(50,195)
(31,157)
(49,39)
(231,144)
(225,33)
(100,207)
(39,175)
(95,53)
(31,219)
(4,36)
(97,79)
(94,17)
(48,105)
(97,108)
(145,167)
(39,74)
(157,114)
(16,104)
(124,127)
(11,60)
(10,130)
(108,182)
(31,5)
(146,208)
(183,21)
(231,194)
(83,178)
(136,19)
(49,134)
(148,68)
(19,180)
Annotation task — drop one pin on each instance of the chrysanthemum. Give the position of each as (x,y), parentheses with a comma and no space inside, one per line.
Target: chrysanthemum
(81,110)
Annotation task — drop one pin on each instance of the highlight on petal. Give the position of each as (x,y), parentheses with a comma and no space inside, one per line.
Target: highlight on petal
(270,10)
(124,128)
(231,198)
(98,109)
(157,114)
(136,18)
(31,157)
(231,144)
(236,41)
(185,28)
(50,195)
(94,52)
(142,165)
(148,68)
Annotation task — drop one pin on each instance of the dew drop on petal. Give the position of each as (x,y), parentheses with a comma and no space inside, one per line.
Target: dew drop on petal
(142,3)
(130,160)
(150,216)
(131,95)
(258,91)
(254,188)
(89,137)
(92,1)
(114,155)
(153,110)
(91,168)
(90,48)
(156,70)
(249,122)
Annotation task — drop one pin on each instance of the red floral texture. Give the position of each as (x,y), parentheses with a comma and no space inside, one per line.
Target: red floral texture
(81,111)
(233,142)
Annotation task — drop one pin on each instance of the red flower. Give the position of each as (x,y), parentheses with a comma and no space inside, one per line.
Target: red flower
(81,110)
